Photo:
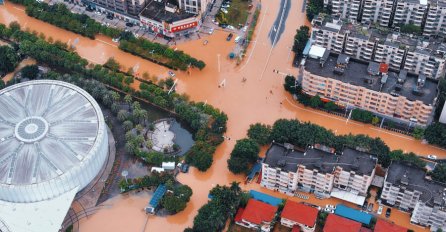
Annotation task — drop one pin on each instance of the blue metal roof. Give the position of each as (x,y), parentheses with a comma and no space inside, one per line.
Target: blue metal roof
(255,169)
(307,48)
(353,214)
(157,195)
(274,201)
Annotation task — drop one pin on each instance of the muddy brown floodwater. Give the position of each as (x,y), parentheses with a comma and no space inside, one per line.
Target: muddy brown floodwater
(256,100)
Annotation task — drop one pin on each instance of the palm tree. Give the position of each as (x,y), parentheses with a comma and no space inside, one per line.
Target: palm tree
(107,99)
(114,107)
(127,125)
(123,115)
(115,96)
(128,99)
(136,105)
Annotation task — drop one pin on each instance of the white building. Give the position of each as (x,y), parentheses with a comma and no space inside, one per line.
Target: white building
(410,12)
(318,170)
(347,9)
(407,188)
(194,6)
(53,143)
(436,19)
(377,11)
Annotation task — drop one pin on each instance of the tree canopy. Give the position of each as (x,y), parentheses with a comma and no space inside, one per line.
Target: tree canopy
(8,59)
(244,154)
(300,40)
(439,173)
(260,133)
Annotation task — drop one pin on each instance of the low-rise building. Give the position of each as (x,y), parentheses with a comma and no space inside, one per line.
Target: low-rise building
(358,84)
(335,223)
(317,170)
(300,215)
(407,188)
(256,215)
(168,20)
(385,226)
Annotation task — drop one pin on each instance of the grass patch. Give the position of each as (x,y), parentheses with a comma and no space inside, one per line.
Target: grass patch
(237,13)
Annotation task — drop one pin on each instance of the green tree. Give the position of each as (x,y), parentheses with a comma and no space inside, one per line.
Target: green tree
(123,115)
(436,134)
(8,59)
(244,154)
(418,133)
(200,155)
(30,71)
(112,64)
(301,39)
(375,120)
(260,133)
(439,173)
(362,115)
(314,7)
(173,204)
(330,106)
(410,29)
(315,101)
(127,125)
(290,84)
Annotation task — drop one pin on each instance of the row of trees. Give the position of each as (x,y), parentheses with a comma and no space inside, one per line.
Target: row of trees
(300,40)
(59,15)
(223,205)
(159,53)
(206,122)
(314,7)
(303,134)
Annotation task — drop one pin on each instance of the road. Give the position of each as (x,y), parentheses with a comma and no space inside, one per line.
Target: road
(246,102)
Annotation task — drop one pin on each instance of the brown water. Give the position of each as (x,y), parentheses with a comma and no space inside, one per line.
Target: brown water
(256,100)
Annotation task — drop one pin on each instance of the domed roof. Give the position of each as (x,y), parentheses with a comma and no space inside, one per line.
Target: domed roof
(46,129)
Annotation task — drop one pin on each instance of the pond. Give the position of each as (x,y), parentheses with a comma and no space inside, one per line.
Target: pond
(183,137)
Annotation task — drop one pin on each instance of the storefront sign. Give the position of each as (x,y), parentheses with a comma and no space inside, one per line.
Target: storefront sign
(184,27)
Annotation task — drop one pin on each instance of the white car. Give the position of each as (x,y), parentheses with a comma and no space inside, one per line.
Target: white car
(237,39)
(211,31)
(224,10)
(380,210)
(328,210)
(245,28)
(432,157)
(172,74)
(116,39)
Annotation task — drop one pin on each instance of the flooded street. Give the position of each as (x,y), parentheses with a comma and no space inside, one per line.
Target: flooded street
(256,100)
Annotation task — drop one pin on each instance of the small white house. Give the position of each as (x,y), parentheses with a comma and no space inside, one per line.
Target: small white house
(168,165)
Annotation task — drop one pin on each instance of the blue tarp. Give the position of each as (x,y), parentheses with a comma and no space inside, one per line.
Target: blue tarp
(353,214)
(307,48)
(274,201)
(255,169)
(157,195)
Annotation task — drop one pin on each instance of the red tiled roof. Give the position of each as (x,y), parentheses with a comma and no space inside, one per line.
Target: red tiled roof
(384,226)
(238,215)
(300,213)
(337,223)
(257,212)
(296,229)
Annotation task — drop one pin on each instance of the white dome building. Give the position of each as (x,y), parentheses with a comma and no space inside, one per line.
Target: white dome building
(53,139)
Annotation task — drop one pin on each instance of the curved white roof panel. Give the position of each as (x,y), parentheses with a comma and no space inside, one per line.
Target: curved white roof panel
(50,135)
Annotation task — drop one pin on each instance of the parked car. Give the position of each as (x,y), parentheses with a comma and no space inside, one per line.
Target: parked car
(380,210)
(328,210)
(211,31)
(205,42)
(109,16)
(237,39)
(116,39)
(172,74)
(432,157)
(388,211)
(364,206)
(245,28)
(185,168)
(129,24)
(229,37)
(223,25)
(224,10)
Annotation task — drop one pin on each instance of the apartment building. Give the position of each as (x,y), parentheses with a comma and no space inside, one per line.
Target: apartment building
(347,9)
(318,170)
(416,55)
(407,188)
(369,86)
(354,172)
(279,169)
(436,19)
(410,12)
(328,32)
(377,11)
(193,6)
